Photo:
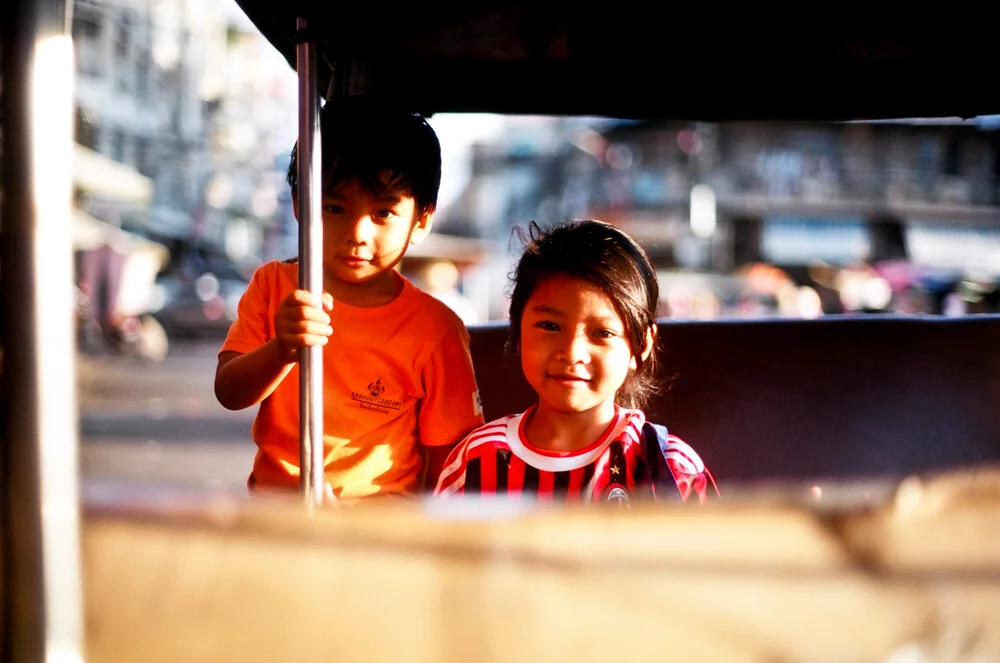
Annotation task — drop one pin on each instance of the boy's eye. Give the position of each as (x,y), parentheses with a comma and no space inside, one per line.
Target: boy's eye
(384,214)
(546,325)
(333,209)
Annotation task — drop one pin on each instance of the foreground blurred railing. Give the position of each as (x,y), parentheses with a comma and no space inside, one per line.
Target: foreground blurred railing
(771,577)
(40,592)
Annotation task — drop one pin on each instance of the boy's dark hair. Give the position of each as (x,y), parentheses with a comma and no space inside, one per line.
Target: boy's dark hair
(608,258)
(389,151)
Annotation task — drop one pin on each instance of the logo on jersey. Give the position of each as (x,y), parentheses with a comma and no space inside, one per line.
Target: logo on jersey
(616,493)
(376,389)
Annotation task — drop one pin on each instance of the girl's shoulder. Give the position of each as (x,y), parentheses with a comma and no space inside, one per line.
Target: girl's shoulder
(482,442)
(683,462)
(492,431)
(673,448)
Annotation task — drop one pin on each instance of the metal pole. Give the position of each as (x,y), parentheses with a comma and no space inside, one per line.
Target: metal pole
(40,588)
(310,194)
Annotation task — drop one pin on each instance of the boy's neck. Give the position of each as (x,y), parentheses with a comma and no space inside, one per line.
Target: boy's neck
(378,291)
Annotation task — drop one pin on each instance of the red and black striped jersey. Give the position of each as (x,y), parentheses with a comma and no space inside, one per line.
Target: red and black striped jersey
(498,458)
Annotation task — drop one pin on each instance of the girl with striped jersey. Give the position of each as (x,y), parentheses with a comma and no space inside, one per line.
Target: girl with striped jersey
(583,320)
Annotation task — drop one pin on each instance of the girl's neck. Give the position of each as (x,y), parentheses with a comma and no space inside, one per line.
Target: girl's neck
(554,430)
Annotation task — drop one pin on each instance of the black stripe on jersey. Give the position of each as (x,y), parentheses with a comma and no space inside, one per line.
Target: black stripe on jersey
(530,484)
(502,465)
(617,469)
(587,482)
(661,481)
(560,485)
(642,479)
(617,459)
(473,475)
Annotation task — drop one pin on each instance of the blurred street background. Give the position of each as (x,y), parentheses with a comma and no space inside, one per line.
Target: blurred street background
(155,424)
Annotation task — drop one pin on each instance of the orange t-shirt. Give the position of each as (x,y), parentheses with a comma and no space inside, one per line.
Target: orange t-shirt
(394,377)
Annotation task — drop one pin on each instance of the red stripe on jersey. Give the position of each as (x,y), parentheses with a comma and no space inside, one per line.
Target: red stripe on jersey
(515,478)
(631,450)
(489,479)
(478,443)
(546,480)
(632,433)
(490,434)
(575,484)
(453,472)
(681,448)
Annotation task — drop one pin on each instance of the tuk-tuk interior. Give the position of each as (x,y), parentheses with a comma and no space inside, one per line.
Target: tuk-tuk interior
(873,397)
(894,416)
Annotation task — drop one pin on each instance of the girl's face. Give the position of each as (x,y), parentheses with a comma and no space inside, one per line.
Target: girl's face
(573,347)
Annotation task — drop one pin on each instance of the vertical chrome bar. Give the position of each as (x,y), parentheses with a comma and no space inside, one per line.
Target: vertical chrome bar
(41,595)
(310,264)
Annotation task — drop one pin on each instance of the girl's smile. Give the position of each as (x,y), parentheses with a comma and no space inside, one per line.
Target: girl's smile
(570,380)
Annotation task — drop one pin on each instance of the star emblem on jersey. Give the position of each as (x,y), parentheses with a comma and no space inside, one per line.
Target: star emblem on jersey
(376,388)
(614,470)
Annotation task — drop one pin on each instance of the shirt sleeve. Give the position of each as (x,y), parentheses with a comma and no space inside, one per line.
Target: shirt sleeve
(451,408)
(452,479)
(690,473)
(686,467)
(253,325)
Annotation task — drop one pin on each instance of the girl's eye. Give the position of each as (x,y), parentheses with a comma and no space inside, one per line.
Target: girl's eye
(546,325)
(333,209)
(605,333)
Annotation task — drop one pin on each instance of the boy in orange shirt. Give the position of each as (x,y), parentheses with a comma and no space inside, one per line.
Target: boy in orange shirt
(398,382)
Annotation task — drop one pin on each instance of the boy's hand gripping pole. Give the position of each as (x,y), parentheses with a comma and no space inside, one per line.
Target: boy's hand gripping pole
(310,196)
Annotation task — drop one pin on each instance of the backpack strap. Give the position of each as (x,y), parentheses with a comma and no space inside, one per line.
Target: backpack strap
(661,480)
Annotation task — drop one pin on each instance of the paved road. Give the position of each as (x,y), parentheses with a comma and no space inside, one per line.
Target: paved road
(161,424)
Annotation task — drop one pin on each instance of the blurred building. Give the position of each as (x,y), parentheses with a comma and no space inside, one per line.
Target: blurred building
(796,194)
(247,203)
(140,101)
(534,169)
(715,197)
(187,93)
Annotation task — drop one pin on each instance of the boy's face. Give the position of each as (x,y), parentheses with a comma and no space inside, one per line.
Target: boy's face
(365,236)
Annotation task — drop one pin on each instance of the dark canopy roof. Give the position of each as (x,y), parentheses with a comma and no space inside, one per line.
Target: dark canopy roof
(699,61)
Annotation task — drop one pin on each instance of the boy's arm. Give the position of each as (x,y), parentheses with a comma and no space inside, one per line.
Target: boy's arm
(451,408)
(245,379)
(242,380)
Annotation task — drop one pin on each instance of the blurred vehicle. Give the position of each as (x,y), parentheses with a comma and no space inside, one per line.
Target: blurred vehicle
(115,290)
(198,295)
(132,335)
(962,293)
(696,295)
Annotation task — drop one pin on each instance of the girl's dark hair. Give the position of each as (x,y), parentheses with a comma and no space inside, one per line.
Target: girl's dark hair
(608,258)
(364,138)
